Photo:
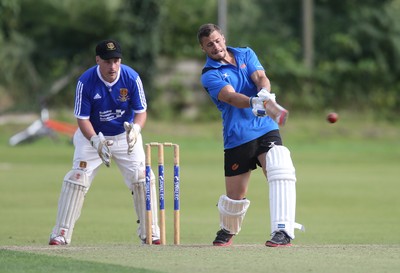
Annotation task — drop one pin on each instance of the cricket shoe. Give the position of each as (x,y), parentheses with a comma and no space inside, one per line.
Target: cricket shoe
(57,241)
(224,238)
(280,238)
(154,242)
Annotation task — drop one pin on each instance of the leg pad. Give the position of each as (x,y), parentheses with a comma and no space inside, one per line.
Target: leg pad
(232,213)
(70,204)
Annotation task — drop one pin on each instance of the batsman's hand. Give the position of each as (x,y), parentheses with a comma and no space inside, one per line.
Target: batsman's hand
(271,107)
(257,106)
(102,146)
(265,95)
(132,131)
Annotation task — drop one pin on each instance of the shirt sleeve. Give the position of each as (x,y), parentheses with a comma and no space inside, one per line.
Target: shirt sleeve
(82,103)
(253,62)
(213,83)
(139,103)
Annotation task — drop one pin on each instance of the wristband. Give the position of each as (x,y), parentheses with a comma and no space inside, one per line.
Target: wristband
(251,101)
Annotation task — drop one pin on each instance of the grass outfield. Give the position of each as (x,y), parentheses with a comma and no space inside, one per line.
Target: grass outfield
(347,197)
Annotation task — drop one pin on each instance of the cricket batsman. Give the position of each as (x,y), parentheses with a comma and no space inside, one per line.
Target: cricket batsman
(236,82)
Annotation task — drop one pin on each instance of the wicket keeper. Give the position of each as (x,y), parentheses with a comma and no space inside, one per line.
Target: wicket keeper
(110,108)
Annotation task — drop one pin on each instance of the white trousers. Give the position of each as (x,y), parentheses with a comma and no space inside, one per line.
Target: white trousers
(128,164)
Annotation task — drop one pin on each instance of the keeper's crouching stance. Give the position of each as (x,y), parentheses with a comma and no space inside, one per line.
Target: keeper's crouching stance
(77,182)
(75,186)
(111,110)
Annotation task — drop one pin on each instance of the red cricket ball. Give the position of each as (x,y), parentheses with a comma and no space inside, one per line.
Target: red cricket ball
(332,117)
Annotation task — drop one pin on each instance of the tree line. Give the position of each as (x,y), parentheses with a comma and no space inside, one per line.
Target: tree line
(46,44)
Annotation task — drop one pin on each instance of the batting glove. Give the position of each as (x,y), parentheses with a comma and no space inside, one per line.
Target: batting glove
(272,108)
(102,146)
(265,95)
(132,131)
(257,106)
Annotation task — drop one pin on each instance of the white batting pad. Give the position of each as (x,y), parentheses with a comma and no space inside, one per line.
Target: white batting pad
(139,201)
(282,190)
(70,204)
(232,213)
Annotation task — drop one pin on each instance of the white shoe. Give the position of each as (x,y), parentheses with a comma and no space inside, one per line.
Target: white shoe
(57,241)
(155,241)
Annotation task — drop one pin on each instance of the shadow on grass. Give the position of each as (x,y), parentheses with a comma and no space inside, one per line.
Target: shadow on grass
(22,262)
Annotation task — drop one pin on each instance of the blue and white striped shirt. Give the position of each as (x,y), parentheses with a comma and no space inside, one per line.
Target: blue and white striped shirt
(109,105)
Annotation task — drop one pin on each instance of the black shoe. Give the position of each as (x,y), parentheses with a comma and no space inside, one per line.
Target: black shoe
(223,238)
(280,238)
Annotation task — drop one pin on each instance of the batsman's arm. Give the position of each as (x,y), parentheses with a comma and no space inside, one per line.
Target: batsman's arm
(228,95)
(261,80)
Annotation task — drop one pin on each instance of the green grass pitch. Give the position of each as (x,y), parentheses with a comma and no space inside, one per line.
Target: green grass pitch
(347,197)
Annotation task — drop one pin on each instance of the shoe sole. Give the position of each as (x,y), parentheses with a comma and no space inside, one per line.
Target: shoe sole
(223,244)
(155,242)
(270,244)
(56,243)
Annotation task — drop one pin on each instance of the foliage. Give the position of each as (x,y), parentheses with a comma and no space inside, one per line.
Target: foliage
(181,20)
(356,64)
(360,56)
(139,23)
(47,39)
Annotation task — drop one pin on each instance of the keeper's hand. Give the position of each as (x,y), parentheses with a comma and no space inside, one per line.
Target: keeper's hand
(101,144)
(132,131)
(257,106)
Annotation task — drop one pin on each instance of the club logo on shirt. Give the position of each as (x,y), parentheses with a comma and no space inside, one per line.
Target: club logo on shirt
(243,66)
(123,94)
(225,75)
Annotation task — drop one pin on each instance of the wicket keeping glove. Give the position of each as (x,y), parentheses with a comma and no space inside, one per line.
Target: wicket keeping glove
(132,131)
(101,144)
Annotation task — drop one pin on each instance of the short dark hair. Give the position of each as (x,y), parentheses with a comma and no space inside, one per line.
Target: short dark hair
(206,30)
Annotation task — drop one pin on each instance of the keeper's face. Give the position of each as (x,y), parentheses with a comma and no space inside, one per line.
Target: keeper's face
(109,68)
(214,46)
